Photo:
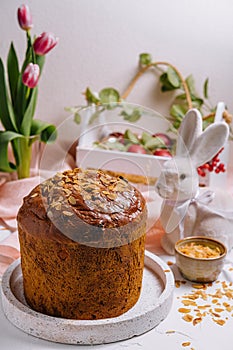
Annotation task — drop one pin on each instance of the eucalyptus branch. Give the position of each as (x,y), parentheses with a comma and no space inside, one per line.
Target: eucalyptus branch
(154,64)
(171,79)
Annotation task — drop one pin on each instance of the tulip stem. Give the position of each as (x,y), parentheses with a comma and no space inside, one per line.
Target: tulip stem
(29,38)
(27,92)
(25,152)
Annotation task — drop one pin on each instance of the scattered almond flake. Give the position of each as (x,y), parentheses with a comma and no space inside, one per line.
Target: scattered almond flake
(229,308)
(200,251)
(199,286)
(197,320)
(50,214)
(218,309)
(112,196)
(67,213)
(220,322)
(68,192)
(229,294)
(170,263)
(214,313)
(219,305)
(187,343)
(177,284)
(191,296)
(170,331)
(34,195)
(230,269)
(200,294)
(183,310)
(226,304)
(189,302)
(166,270)
(218,294)
(187,318)
(58,206)
(204,306)
(215,301)
(72,200)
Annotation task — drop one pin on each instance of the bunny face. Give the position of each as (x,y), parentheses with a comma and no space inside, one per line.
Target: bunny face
(178,180)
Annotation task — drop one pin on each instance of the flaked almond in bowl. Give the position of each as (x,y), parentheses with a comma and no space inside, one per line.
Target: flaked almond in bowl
(200,258)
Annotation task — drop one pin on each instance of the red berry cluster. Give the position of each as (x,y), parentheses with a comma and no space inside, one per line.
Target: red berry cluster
(213,165)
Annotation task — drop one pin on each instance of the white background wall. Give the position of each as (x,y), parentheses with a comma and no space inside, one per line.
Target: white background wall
(100,41)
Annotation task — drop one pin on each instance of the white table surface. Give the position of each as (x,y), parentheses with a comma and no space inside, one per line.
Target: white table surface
(169,334)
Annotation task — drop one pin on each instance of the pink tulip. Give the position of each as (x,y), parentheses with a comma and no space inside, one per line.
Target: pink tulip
(44,43)
(24,17)
(31,75)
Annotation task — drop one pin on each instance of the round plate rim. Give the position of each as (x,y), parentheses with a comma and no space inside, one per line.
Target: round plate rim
(9,300)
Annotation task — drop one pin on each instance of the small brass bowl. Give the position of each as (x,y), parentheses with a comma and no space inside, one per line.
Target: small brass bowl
(200,269)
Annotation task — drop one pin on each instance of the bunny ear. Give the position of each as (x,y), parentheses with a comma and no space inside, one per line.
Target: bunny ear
(209,143)
(190,129)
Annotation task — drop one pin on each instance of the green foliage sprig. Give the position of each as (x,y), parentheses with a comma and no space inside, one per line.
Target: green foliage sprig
(170,79)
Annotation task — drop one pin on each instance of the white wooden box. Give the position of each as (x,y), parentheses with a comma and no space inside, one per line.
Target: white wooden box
(89,156)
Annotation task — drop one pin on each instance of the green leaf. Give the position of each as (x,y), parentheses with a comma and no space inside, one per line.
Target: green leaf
(165,83)
(178,112)
(145,137)
(154,142)
(109,96)
(173,78)
(90,97)
(6,115)
(13,72)
(197,102)
(206,88)
(133,116)
(28,116)
(47,132)
(20,103)
(111,145)
(191,84)
(77,118)
(5,138)
(129,135)
(40,60)
(180,97)
(95,116)
(145,59)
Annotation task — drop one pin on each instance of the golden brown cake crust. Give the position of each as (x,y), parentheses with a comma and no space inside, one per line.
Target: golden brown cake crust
(82,236)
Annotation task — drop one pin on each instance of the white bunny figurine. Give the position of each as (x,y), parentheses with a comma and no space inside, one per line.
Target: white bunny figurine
(188,210)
